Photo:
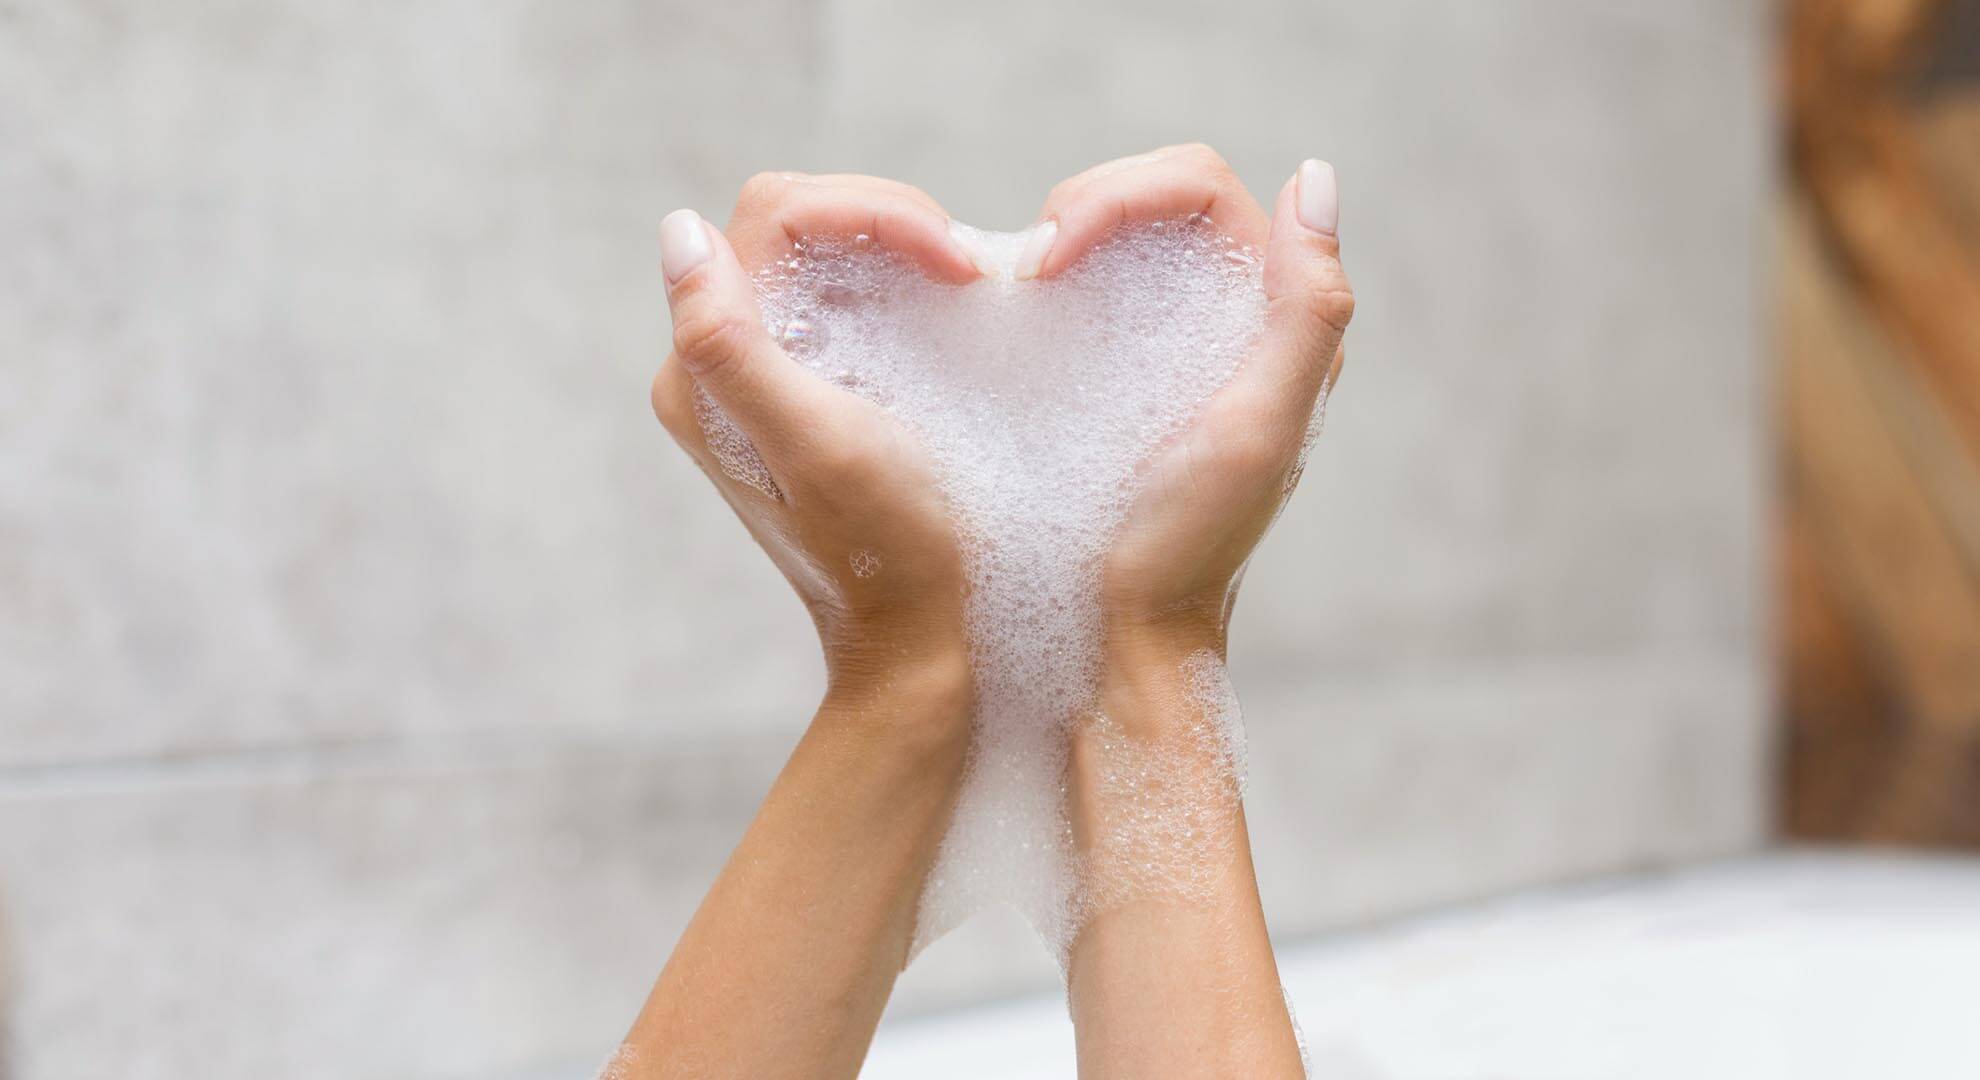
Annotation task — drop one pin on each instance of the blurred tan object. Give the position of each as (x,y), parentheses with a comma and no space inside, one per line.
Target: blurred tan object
(1880,413)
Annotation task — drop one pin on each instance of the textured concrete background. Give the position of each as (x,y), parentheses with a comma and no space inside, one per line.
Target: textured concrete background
(379,689)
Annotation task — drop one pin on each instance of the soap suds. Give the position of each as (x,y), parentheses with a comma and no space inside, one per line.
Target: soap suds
(621,1065)
(1207,683)
(1036,402)
(731,448)
(1299,1034)
(1163,806)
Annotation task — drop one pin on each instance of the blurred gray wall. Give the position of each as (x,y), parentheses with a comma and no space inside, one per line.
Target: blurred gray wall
(379,689)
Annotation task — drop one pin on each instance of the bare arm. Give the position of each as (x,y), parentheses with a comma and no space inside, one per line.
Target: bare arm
(786,966)
(1172,972)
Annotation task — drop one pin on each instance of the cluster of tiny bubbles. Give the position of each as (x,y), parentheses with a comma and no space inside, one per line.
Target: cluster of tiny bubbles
(865,563)
(1311,436)
(1207,683)
(1299,1033)
(731,448)
(1166,808)
(800,337)
(621,1065)
(1036,402)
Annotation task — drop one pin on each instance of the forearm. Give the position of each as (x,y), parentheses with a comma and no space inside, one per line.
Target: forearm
(1172,973)
(785,969)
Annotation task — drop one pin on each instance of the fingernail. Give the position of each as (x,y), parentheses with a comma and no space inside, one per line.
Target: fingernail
(1035,249)
(684,244)
(965,238)
(1319,196)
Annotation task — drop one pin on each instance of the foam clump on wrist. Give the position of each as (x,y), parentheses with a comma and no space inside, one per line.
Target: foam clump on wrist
(1161,811)
(1036,402)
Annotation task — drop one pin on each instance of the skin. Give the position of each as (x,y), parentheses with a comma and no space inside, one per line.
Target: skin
(1167,983)
(785,968)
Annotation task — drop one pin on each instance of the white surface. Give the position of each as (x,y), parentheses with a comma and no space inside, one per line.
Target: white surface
(1793,965)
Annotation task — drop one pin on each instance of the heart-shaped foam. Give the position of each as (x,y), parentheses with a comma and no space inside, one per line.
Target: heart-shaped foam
(1037,401)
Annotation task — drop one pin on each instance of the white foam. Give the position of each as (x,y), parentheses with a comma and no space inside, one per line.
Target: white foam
(1036,401)
(622,1065)
(1162,810)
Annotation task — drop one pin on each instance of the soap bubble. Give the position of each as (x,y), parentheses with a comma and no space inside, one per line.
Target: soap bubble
(801,337)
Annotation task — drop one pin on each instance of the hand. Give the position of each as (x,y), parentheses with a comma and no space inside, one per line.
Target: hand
(1173,975)
(784,970)
(1208,497)
(845,502)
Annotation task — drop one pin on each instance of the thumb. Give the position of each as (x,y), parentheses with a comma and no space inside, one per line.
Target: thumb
(720,339)
(1306,290)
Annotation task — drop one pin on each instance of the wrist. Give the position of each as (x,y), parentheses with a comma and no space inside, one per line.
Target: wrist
(1140,627)
(1164,693)
(1145,678)
(911,700)
(1155,775)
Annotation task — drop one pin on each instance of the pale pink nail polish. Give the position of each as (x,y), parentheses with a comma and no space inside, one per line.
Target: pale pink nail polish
(684,244)
(1319,197)
(1035,249)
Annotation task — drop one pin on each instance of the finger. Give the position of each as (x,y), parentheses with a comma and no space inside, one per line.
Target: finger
(777,210)
(1169,183)
(1070,186)
(719,340)
(1307,295)
(1131,161)
(870,183)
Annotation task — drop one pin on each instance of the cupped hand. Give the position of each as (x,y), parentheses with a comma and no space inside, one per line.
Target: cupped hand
(836,492)
(1208,496)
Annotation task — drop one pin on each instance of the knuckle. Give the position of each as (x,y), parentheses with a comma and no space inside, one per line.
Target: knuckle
(1206,156)
(1333,304)
(763,189)
(708,341)
(912,192)
(671,404)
